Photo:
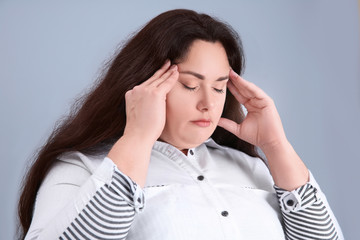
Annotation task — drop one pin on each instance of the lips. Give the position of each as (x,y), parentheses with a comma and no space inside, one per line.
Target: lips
(202,122)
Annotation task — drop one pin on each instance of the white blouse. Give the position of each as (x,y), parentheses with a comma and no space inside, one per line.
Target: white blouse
(214,192)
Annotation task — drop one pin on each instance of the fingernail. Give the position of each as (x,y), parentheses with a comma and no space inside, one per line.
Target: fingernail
(173,67)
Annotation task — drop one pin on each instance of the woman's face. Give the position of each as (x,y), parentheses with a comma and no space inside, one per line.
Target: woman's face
(195,104)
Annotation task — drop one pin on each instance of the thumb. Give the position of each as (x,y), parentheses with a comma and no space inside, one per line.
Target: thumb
(229,125)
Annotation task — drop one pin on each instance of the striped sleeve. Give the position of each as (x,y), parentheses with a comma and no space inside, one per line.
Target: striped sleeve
(110,212)
(306,213)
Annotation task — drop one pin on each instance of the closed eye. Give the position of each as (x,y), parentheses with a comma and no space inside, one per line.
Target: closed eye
(219,90)
(189,88)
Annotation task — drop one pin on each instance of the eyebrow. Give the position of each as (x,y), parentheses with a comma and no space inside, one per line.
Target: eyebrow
(202,77)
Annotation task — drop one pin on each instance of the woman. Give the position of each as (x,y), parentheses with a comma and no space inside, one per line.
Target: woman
(160,149)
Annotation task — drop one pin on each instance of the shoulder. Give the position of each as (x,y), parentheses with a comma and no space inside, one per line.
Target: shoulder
(85,161)
(72,168)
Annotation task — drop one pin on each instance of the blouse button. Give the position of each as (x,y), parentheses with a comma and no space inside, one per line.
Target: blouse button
(225,213)
(191,152)
(200,178)
(290,203)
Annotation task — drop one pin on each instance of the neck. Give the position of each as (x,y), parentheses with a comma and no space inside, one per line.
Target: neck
(185,151)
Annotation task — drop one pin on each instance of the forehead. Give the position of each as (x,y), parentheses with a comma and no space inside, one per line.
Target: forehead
(206,58)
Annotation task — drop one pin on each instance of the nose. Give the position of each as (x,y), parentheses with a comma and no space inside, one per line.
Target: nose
(206,101)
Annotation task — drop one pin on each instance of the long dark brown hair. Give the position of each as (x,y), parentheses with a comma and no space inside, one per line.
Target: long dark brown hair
(98,119)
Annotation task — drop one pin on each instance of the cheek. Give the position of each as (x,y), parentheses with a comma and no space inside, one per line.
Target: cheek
(173,99)
(177,105)
(220,105)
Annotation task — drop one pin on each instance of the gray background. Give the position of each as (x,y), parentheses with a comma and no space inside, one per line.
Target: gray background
(304,54)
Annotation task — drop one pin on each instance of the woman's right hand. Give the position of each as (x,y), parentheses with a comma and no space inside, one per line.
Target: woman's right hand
(145,121)
(146,104)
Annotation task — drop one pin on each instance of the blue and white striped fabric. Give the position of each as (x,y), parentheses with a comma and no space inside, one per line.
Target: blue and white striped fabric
(110,213)
(305,214)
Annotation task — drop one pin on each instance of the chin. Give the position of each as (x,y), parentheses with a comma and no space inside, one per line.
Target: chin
(189,143)
(186,141)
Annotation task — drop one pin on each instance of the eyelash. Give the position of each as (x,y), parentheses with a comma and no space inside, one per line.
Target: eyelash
(219,90)
(193,89)
(189,88)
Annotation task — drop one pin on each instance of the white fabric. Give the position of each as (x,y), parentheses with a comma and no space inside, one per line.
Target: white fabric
(178,205)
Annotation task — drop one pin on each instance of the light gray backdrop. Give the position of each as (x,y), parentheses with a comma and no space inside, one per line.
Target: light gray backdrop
(304,54)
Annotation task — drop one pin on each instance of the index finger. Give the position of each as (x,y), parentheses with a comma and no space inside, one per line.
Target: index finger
(246,88)
(169,83)
(158,73)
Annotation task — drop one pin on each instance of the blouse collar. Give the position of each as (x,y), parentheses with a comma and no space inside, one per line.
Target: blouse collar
(174,153)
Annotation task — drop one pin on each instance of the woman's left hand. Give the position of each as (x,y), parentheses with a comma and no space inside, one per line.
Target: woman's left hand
(262,125)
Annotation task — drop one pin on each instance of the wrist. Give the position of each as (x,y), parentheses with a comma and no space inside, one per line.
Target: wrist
(276,147)
(138,139)
(139,135)
(131,144)
(131,154)
(287,169)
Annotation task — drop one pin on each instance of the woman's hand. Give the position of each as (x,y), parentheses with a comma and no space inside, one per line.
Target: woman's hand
(145,104)
(145,121)
(262,126)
